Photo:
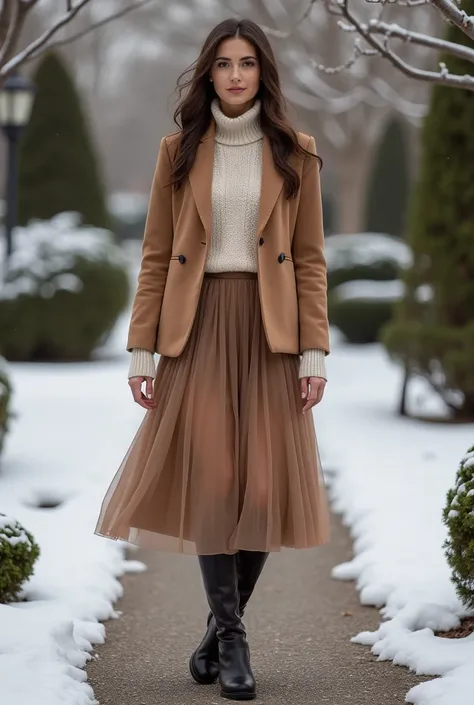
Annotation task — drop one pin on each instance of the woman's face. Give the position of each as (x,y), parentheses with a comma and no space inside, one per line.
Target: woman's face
(236,75)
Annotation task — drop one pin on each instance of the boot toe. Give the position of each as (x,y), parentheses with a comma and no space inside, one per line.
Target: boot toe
(204,672)
(239,694)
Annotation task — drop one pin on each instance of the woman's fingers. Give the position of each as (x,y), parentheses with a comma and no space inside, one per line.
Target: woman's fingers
(149,387)
(135,384)
(313,389)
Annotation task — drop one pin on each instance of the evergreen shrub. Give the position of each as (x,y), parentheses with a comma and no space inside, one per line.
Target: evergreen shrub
(18,553)
(64,289)
(458,515)
(387,193)
(360,309)
(364,256)
(59,169)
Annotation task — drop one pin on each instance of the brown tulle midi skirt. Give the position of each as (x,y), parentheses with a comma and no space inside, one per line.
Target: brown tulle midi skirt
(226,461)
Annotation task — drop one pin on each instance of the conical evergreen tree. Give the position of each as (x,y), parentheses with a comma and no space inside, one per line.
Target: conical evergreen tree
(58,167)
(387,195)
(434,330)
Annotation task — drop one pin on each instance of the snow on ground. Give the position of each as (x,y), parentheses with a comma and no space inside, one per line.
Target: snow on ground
(388,477)
(73,427)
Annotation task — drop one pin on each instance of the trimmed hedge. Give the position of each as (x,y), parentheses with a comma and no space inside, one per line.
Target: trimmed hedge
(358,312)
(458,515)
(387,194)
(59,169)
(18,553)
(64,289)
(367,256)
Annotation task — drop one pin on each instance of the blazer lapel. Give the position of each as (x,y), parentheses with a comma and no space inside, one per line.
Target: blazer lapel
(272,183)
(200,178)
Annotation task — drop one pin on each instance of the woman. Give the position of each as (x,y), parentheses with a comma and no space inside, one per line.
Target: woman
(231,290)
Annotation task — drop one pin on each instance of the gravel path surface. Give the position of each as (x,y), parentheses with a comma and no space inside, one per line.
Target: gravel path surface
(299,623)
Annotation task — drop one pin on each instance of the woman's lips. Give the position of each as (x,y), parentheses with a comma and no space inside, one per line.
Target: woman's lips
(236,90)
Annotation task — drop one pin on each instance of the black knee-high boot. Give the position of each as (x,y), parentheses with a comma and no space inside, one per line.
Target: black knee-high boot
(204,662)
(219,573)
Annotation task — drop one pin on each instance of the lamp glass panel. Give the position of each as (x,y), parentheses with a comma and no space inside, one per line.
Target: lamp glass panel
(22,102)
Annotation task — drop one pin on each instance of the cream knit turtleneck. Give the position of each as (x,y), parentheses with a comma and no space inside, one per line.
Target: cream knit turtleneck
(236,182)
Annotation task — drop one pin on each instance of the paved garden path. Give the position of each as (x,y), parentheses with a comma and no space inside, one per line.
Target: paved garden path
(298,628)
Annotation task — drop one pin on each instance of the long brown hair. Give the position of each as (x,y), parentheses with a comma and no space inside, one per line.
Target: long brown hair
(193,113)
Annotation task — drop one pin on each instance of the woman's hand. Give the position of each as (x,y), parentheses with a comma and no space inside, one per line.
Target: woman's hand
(312,390)
(135,384)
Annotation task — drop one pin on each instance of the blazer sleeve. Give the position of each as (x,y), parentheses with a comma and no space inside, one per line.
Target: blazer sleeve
(156,252)
(309,260)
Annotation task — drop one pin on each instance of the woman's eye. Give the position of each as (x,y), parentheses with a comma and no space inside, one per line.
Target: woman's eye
(223,64)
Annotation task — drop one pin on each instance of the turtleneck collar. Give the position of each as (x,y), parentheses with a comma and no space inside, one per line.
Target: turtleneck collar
(243,129)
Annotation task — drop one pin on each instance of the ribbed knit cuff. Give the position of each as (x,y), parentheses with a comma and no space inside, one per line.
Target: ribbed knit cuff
(142,364)
(313,364)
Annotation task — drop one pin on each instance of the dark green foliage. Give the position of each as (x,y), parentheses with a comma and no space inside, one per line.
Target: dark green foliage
(65,303)
(69,325)
(387,194)
(458,515)
(427,344)
(5,398)
(58,166)
(383,270)
(436,338)
(360,320)
(17,558)
(368,256)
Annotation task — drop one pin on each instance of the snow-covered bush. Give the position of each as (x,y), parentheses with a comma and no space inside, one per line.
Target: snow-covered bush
(458,516)
(367,256)
(18,553)
(63,290)
(128,212)
(360,308)
(5,396)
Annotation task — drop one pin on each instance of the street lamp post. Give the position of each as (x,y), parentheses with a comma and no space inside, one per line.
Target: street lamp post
(16,100)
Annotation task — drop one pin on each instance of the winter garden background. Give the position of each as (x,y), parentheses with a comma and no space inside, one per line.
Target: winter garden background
(388,91)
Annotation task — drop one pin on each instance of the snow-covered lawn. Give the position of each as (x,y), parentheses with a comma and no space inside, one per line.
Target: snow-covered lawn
(389,477)
(74,423)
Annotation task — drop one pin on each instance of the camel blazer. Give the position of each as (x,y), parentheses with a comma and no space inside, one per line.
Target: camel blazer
(291,264)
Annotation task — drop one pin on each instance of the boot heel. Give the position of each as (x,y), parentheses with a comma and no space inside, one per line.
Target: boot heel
(235,674)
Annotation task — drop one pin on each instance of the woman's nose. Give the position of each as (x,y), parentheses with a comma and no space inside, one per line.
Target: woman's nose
(235,75)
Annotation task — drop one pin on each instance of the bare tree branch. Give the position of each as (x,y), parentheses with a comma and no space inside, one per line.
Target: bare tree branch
(13,14)
(458,17)
(43,39)
(95,25)
(382,47)
(447,8)
(395,31)
(11,17)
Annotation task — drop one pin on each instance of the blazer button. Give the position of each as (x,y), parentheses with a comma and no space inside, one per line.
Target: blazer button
(281,257)
(182,259)
(261,241)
